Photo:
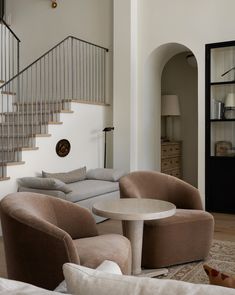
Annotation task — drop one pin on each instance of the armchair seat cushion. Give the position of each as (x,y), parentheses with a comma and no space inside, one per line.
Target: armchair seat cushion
(90,188)
(181,238)
(112,247)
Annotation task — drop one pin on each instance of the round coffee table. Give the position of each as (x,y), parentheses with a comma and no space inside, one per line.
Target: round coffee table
(133,212)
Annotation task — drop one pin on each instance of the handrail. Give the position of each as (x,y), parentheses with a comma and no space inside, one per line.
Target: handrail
(73,69)
(2,20)
(47,52)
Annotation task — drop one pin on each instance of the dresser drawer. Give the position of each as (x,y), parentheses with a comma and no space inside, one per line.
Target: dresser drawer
(169,163)
(170,149)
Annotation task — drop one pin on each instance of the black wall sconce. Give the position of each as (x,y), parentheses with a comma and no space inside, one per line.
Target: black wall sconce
(105,130)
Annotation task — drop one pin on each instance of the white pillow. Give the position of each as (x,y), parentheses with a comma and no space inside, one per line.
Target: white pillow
(81,280)
(105,174)
(107,266)
(11,287)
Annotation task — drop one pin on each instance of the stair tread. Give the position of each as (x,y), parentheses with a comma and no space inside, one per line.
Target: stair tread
(25,135)
(7,163)
(29,123)
(8,92)
(17,149)
(4,178)
(43,102)
(38,113)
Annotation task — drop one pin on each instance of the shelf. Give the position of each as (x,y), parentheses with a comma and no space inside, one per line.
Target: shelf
(222,157)
(222,120)
(222,83)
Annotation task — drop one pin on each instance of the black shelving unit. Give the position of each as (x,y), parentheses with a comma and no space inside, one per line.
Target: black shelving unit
(220,167)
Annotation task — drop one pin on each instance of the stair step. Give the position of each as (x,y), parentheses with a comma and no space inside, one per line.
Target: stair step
(4,178)
(54,123)
(43,135)
(15,163)
(16,149)
(11,163)
(16,137)
(7,155)
(29,148)
(43,102)
(38,113)
(8,92)
(26,129)
(67,111)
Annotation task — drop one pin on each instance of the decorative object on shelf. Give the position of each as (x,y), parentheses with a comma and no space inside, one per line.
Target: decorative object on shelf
(230,106)
(105,130)
(63,147)
(169,109)
(225,73)
(53,3)
(217,109)
(222,148)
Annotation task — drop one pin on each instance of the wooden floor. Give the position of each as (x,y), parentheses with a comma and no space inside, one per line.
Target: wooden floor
(224,227)
(224,230)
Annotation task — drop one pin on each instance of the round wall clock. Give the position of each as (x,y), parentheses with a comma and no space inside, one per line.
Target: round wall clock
(62,147)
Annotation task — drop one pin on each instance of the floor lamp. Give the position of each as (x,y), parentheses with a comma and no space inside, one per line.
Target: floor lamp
(105,130)
(170,108)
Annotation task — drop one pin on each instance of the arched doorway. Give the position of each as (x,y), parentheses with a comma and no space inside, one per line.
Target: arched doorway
(179,77)
(150,150)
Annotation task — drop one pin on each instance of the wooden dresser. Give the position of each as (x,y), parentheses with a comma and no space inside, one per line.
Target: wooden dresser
(171,158)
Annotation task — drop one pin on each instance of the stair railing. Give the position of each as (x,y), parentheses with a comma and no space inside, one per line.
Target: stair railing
(9,67)
(72,70)
(9,52)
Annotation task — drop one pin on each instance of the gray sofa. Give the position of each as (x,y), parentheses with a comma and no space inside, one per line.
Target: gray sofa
(77,186)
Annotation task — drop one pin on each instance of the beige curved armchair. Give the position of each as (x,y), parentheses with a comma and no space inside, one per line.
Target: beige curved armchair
(184,237)
(41,233)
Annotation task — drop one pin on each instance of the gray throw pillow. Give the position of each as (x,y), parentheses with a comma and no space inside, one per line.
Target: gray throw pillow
(105,174)
(68,177)
(44,183)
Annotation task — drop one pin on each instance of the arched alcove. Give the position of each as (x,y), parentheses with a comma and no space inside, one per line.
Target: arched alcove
(150,107)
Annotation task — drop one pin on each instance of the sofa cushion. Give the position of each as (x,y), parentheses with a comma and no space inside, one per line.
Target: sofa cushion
(68,177)
(90,188)
(81,280)
(54,193)
(105,174)
(44,183)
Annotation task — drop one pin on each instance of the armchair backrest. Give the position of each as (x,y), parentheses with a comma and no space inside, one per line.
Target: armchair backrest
(38,232)
(152,184)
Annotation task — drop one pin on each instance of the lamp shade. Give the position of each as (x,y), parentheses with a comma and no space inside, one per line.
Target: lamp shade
(230,100)
(170,105)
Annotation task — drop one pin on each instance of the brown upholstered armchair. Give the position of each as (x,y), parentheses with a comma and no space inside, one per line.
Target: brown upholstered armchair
(184,237)
(41,233)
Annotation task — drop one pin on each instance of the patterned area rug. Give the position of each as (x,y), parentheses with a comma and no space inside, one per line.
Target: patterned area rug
(221,257)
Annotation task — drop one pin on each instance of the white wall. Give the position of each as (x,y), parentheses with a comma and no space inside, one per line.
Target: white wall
(83,129)
(124,84)
(40,27)
(192,24)
(178,77)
